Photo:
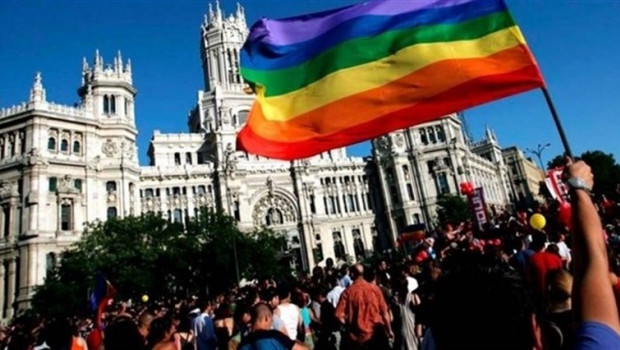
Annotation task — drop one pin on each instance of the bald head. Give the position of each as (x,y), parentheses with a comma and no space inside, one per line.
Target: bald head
(357,271)
(261,316)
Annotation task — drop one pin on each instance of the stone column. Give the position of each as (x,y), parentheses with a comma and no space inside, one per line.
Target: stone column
(347,238)
(2,296)
(11,289)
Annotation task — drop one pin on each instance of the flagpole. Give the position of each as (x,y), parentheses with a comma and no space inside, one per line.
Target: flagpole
(558,123)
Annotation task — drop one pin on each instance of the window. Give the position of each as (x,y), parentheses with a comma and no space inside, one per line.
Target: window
(199,158)
(338,246)
(77,147)
(113,104)
(394,194)
(126,106)
(350,203)
(53,181)
(312,205)
(148,193)
(178,216)
(416,218)
(176,191)
(201,189)
(51,144)
(441,136)
(77,183)
(410,192)
(358,244)
(66,220)
(332,205)
(112,212)
(188,158)
(110,186)
(423,137)
(243,117)
(406,172)
(177,158)
(50,262)
(442,183)
(106,104)
(64,145)
(431,135)
(345,204)
(6,211)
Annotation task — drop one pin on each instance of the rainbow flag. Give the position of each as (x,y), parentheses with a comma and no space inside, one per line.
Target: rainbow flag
(338,77)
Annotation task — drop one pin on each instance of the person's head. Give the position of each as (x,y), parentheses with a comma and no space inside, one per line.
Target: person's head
(333,281)
(329,263)
(162,330)
(483,288)
(553,249)
(369,275)
(559,286)
(261,317)
(243,314)
(123,334)
(144,322)
(357,271)
(383,266)
(270,297)
(284,293)
(539,240)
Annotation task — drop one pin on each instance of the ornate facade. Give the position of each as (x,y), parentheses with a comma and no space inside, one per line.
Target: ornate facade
(63,166)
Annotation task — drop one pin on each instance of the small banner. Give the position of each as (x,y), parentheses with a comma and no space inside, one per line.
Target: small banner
(478,207)
(556,186)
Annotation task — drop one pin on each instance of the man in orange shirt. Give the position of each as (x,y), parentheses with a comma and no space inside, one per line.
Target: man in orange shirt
(364,312)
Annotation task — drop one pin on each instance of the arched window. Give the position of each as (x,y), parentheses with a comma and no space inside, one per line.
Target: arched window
(358,244)
(77,147)
(188,158)
(51,144)
(50,262)
(338,245)
(441,135)
(177,158)
(113,104)
(110,186)
(64,145)
(112,212)
(106,104)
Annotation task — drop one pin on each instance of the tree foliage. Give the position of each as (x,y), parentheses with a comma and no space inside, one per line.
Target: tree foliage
(150,255)
(604,167)
(452,209)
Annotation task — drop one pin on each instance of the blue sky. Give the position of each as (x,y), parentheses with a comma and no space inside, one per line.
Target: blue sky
(573,41)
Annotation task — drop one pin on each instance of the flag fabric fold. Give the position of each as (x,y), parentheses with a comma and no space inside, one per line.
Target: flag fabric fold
(338,77)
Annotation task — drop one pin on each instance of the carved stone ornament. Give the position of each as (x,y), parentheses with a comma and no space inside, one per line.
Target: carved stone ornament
(109,148)
(277,207)
(66,186)
(8,190)
(399,140)
(383,145)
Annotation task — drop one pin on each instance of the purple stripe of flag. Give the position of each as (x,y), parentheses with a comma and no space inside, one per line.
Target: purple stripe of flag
(302,28)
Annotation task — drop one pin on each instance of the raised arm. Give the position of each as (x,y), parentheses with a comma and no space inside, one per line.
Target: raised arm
(592,293)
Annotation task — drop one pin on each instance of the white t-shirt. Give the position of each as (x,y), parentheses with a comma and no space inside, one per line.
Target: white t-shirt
(290,315)
(334,295)
(412,284)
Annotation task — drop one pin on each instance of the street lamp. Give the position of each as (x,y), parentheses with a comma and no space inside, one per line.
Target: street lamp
(538,151)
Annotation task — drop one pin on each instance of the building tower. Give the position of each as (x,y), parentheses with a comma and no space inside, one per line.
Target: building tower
(108,97)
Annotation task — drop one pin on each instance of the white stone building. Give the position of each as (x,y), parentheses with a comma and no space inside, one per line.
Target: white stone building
(418,164)
(62,166)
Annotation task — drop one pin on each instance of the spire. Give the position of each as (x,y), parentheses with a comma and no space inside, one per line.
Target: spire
(211,14)
(37,93)
(240,15)
(98,65)
(84,64)
(218,12)
(128,66)
(118,62)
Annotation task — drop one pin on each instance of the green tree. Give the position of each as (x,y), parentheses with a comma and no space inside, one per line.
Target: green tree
(452,209)
(148,254)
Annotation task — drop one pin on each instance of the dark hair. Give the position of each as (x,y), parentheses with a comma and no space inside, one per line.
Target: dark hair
(123,334)
(369,274)
(158,330)
(498,298)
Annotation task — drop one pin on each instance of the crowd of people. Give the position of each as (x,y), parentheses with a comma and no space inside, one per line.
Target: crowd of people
(507,286)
